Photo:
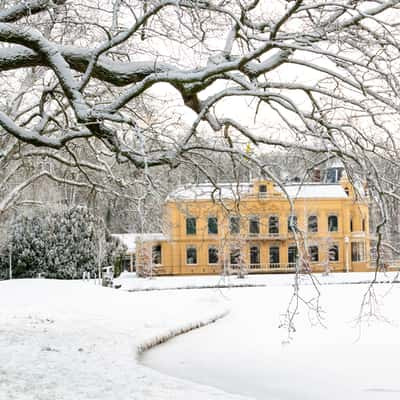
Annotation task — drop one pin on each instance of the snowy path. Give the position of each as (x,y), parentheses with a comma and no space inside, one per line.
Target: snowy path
(242,353)
(62,340)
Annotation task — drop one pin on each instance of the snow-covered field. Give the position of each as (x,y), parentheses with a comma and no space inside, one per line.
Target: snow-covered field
(64,340)
(75,340)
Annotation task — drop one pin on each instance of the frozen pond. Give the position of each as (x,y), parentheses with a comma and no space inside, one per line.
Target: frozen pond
(243,353)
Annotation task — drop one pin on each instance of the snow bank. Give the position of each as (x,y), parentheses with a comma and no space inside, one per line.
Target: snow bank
(130,282)
(150,343)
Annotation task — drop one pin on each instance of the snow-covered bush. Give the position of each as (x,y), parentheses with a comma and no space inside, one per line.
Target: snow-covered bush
(60,245)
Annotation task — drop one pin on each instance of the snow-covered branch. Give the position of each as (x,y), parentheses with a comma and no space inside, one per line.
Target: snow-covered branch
(305,69)
(27,8)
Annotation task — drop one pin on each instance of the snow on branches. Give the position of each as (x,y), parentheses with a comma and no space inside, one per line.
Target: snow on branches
(61,245)
(320,69)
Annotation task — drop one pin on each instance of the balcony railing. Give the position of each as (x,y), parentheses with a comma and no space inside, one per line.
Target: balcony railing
(282,267)
(386,265)
(274,265)
(269,267)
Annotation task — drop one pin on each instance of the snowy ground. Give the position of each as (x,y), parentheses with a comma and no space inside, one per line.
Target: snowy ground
(64,340)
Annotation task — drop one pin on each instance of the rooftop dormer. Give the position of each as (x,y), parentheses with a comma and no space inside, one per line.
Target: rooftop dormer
(334,171)
(263,188)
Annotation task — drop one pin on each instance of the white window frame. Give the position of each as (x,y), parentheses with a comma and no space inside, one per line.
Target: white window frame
(208,225)
(191,246)
(237,217)
(308,223)
(278,224)
(259,254)
(337,222)
(338,252)
(208,255)
(318,253)
(255,218)
(362,256)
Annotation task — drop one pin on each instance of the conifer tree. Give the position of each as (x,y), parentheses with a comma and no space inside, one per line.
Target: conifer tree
(61,245)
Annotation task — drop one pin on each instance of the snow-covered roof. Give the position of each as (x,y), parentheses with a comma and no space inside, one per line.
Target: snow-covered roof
(315,191)
(207,191)
(334,163)
(130,239)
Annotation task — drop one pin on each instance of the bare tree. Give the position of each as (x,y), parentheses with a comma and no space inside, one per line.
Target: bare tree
(319,76)
(119,78)
(348,49)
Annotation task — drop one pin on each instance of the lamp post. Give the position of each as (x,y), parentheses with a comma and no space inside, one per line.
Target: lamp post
(346,243)
(99,259)
(9,262)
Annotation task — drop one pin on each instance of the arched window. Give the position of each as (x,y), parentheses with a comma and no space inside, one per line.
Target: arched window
(292,254)
(235,256)
(254,225)
(334,253)
(191,255)
(213,225)
(156,254)
(274,258)
(358,251)
(312,223)
(332,223)
(212,255)
(234,224)
(254,255)
(190,226)
(313,253)
(273,225)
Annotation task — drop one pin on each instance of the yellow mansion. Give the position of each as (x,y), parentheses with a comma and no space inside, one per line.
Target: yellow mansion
(258,227)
